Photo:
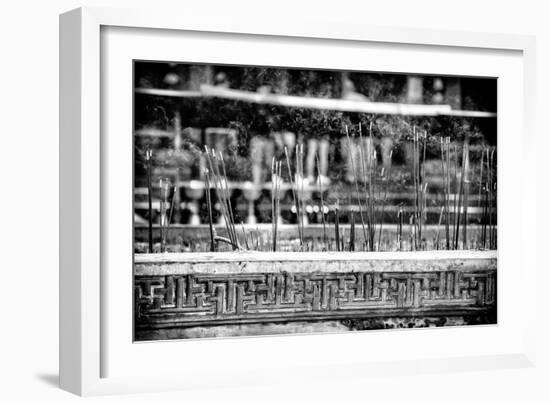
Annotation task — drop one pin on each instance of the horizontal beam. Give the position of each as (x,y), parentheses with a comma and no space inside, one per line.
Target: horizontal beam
(344,105)
(262,262)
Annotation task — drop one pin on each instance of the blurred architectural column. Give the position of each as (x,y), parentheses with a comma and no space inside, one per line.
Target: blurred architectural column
(415,91)
(200,74)
(453,92)
(261,153)
(386,146)
(178,141)
(415,95)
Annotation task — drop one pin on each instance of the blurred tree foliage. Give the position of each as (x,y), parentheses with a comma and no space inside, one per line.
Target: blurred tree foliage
(251,119)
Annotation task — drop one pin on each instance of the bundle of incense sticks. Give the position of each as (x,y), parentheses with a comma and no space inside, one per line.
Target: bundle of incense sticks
(439,227)
(445,165)
(148,159)
(423,189)
(352,231)
(462,195)
(373,161)
(209,207)
(245,237)
(485,218)
(420,187)
(319,181)
(386,179)
(416,174)
(369,166)
(480,179)
(300,188)
(174,190)
(219,179)
(294,187)
(164,191)
(276,180)
(355,181)
(490,196)
(465,191)
(456,186)
(337,224)
(494,196)
(412,233)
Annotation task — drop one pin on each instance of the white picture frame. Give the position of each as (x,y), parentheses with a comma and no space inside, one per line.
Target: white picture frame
(85,310)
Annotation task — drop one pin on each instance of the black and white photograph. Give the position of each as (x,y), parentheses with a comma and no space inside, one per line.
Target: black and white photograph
(272,200)
(300,201)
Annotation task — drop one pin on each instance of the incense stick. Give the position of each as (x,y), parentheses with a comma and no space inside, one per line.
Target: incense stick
(439,227)
(322,203)
(466,191)
(163,216)
(491,200)
(385,199)
(423,194)
(370,161)
(337,224)
(400,228)
(222,192)
(148,159)
(245,237)
(294,198)
(174,190)
(350,151)
(300,186)
(275,198)
(366,182)
(228,199)
(209,207)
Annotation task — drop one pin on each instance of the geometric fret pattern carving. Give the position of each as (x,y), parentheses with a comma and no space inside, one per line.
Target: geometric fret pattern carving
(222,298)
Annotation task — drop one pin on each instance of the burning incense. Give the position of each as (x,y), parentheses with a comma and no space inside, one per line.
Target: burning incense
(439,227)
(387,178)
(366,180)
(148,159)
(446,187)
(492,243)
(294,198)
(480,179)
(466,192)
(337,224)
(209,207)
(484,218)
(275,198)
(372,198)
(300,186)
(228,198)
(222,192)
(245,237)
(412,225)
(460,208)
(455,195)
(319,181)
(447,206)
(352,231)
(400,228)
(352,157)
(273,218)
(174,191)
(424,208)
(371,158)
(164,189)
(422,178)
(416,179)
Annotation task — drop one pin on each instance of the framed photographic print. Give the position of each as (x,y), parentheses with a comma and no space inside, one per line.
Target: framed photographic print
(289,199)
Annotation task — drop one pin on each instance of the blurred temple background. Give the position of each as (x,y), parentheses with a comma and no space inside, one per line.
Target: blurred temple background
(367,138)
